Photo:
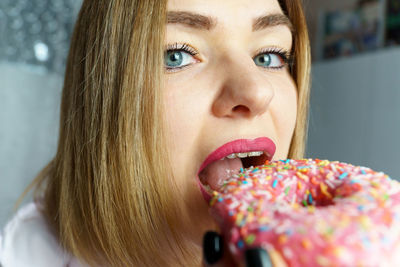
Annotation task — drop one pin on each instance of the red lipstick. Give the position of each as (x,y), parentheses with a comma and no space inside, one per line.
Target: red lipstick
(241,145)
(237,146)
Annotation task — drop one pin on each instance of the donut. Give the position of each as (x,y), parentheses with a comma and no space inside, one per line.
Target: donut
(312,212)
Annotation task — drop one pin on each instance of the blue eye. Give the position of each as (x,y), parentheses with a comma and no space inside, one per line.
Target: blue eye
(179,57)
(272,60)
(173,58)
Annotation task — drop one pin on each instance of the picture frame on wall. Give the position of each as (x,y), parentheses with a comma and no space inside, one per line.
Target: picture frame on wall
(392,34)
(352,30)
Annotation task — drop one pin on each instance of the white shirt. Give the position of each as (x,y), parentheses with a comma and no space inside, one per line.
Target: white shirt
(27,241)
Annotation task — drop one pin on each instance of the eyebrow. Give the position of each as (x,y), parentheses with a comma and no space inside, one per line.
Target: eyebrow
(201,22)
(192,20)
(272,20)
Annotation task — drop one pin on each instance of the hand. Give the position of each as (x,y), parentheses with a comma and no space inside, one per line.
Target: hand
(215,254)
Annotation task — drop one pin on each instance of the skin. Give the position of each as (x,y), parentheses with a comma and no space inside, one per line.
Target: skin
(223,95)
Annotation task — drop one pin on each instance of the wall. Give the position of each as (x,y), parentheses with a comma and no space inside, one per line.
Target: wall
(355,114)
(34,41)
(29,111)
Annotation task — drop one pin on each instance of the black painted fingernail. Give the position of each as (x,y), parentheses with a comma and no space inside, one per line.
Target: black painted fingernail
(257,257)
(212,247)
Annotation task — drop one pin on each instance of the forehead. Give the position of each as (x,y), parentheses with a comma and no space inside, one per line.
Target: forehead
(227,9)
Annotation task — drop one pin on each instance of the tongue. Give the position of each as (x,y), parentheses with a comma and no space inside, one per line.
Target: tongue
(217,172)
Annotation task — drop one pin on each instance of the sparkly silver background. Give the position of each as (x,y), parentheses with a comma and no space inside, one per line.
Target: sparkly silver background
(34,43)
(37,32)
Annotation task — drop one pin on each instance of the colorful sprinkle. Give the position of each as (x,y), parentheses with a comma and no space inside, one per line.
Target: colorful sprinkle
(299,186)
(324,190)
(250,239)
(303,167)
(344,175)
(249,203)
(306,244)
(240,244)
(282,239)
(287,190)
(310,199)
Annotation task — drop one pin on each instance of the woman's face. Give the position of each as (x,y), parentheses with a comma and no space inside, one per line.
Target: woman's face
(225,79)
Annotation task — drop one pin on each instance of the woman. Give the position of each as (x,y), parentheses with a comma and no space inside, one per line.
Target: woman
(151,89)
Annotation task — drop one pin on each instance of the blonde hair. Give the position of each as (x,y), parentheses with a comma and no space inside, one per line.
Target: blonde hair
(301,75)
(109,198)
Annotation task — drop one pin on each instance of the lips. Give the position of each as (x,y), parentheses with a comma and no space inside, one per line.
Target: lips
(220,164)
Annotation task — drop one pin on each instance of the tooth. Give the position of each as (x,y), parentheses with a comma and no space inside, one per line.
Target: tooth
(241,155)
(245,155)
(255,153)
(222,159)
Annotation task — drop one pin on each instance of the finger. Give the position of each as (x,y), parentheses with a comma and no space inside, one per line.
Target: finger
(215,254)
(212,247)
(276,258)
(259,257)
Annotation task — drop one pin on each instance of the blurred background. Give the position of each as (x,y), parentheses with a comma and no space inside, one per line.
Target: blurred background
(355,95)
(34,42)
(355,91)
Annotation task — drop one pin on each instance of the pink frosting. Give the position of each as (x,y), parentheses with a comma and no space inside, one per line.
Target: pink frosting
(314,212)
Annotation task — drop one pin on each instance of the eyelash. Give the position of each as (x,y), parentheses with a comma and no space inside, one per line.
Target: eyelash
(286,56)
(182,47)
(185,47)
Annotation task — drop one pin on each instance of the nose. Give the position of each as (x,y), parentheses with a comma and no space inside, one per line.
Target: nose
(245,90)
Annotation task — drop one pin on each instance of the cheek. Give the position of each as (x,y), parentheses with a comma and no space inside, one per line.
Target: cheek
(288,100)
(183,115)
(284,113)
